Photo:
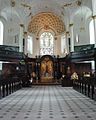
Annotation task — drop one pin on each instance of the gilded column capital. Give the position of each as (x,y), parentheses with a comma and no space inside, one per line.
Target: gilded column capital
(21,25)
(55,38)
(94,16)
(71,24)
(67,32)
(25,32)
(37,38)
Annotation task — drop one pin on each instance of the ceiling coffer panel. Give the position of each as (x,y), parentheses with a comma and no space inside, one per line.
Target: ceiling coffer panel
(46,21)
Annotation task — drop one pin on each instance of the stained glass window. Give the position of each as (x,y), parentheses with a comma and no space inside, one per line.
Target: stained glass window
(46,43)
(63,43)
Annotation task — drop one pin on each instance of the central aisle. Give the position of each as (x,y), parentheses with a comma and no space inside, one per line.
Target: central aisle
(47,103)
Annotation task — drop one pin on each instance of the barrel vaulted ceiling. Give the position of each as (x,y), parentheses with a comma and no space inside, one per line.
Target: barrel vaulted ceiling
(46,21)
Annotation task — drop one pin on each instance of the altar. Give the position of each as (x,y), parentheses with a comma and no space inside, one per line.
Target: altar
(46,69)
(47,79)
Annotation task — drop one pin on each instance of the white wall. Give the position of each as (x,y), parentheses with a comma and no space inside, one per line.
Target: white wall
(94,6)
(9,39)
(81,26)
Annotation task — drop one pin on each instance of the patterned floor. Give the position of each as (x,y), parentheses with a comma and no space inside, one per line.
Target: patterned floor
(47,103)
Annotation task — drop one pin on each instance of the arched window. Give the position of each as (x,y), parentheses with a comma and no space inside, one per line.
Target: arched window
(46,43)
(1,33)
(1,38)
(30,45)
(91,31)
(63,44)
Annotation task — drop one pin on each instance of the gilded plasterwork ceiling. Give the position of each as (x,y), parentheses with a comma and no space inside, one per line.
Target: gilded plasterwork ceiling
(46,21)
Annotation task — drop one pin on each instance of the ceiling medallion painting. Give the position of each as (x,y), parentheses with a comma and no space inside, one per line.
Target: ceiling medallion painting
(46,21)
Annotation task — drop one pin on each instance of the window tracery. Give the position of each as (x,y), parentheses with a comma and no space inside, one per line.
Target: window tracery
(46,43)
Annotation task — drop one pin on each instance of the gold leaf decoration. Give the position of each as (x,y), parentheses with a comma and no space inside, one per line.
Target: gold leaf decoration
(46,21)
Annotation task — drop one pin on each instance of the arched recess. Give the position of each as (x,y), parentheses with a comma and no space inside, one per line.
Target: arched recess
(46,20)
(81,20)
(13,20)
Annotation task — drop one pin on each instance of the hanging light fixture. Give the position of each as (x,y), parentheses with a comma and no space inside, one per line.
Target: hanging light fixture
(12,4)
(82,28)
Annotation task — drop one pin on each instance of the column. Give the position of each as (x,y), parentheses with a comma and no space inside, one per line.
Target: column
(36,70)
(25,46)
(67,41)
(55,52)
(72,38)
(94,21)
(21,38)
